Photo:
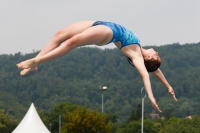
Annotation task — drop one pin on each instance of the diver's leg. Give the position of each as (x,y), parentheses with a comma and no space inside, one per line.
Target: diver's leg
(61,36)
(98,35)
(64,34)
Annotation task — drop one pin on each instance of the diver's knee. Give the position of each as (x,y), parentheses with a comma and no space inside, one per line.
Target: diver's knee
(59,36)
(73,42)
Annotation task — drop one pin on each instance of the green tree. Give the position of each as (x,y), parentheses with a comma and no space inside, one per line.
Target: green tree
(136,114)
(167,113)
(135,127)
(84,120)
(51,119)
(7,125)
(182,125)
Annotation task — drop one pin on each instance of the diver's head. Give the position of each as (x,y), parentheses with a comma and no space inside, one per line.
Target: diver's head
(152,61)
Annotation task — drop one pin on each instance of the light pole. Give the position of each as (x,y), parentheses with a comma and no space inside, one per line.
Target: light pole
(143,96)
(50,126)
(59,123)
(102,89)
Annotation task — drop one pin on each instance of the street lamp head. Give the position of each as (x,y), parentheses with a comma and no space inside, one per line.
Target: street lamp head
(104,88)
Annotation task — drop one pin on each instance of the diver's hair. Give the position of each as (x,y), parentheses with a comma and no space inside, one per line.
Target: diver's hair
(151,65)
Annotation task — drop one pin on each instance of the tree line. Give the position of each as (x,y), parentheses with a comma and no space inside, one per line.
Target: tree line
(76,76)
(81,119)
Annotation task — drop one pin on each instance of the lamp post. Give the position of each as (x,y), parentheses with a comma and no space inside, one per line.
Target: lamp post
(143,96)
(102,89)
(59,123)
(50,126)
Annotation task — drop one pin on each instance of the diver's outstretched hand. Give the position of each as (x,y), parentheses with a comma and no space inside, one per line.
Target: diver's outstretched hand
(155,105)
(171,92)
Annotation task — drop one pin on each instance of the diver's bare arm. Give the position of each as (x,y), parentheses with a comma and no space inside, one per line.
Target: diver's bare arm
(160,76)
(139,64)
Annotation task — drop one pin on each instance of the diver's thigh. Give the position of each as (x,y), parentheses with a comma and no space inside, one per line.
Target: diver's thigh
(74,29)
(99,35)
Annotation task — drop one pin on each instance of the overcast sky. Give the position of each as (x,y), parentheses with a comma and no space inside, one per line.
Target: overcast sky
(27,25)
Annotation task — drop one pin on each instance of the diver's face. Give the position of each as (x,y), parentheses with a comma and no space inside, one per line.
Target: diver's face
(152,54)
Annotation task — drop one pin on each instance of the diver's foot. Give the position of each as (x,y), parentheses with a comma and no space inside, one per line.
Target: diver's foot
(26,71)
(31,63)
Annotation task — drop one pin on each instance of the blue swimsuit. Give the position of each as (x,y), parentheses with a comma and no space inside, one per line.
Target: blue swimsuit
(120,33)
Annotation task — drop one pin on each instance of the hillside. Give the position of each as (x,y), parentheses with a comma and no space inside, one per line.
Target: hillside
(75,78)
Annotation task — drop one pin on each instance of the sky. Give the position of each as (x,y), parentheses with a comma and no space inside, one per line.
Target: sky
(28,25)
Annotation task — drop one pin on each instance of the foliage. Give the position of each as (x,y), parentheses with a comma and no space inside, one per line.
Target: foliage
(135,127)
(185,125)
(172,125)
(7,124)
(75,78)
(136,115)
(51,119)
(83,120)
